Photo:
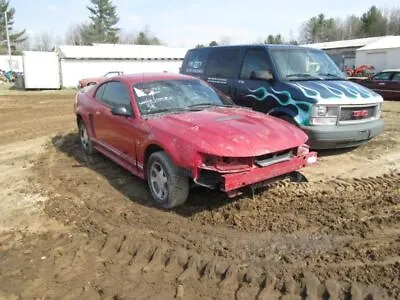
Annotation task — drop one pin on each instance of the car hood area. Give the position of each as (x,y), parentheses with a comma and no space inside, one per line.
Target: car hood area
(334,92)
(231,132)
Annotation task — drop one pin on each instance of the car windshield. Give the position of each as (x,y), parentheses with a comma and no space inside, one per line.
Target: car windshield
(304,64)
(174,95)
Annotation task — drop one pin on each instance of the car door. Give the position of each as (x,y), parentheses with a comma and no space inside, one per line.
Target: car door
(222,68)
(379,83)
(393,87)
(100,108)
(255,59)
(117,133)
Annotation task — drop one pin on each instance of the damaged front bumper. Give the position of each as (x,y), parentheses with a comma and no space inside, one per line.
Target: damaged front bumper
(230,182)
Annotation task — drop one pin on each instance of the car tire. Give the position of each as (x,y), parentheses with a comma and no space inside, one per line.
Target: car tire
(84,138)
(169,186)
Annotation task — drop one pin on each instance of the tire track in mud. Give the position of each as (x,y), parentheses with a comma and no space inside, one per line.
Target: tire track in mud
(92,193)
(122,267)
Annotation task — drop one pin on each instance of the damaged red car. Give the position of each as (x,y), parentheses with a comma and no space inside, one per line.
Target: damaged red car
(175,131)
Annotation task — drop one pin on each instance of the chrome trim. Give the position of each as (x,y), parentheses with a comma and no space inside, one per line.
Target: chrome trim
(372,118)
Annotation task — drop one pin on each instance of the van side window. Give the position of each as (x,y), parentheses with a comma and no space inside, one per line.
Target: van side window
(254,60)
(223,62)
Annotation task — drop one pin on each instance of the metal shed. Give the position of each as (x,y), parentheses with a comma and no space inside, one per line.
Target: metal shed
(381,54)
(343,53)
(77,62)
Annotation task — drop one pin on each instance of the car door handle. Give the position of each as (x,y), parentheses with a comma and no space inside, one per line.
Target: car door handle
(97,112)
(381,83)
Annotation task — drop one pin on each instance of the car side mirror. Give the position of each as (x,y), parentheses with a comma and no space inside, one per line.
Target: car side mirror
(261,75)
(120,111)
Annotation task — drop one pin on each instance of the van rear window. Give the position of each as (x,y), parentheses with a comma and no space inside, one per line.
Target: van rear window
(222,62)
(196,61)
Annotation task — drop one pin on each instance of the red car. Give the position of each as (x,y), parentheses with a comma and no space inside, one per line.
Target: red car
(385,83)
(173,130)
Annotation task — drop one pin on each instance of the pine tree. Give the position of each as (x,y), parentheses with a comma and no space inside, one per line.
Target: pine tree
(104,18)
(15,37)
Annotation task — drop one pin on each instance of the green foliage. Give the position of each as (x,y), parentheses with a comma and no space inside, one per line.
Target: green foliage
(373,23)
(274,39)
(15,37)
(213,44)
(103,16)
(145,38)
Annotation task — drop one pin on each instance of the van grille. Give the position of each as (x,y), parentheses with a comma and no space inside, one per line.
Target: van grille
(357,113)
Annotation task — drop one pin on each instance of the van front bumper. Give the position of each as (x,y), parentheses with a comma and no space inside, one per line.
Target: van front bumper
(342,136)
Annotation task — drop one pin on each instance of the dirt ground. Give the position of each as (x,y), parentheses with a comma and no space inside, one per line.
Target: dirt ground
(78,227)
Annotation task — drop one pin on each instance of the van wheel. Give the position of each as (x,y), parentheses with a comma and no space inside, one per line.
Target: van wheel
(168,185)
(289,120)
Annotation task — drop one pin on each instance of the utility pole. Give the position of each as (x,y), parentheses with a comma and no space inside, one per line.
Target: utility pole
(8,41)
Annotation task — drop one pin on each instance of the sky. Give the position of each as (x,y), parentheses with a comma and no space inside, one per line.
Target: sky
(185,23)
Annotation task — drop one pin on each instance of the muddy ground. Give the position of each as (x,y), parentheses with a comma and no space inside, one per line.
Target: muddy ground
(78,227)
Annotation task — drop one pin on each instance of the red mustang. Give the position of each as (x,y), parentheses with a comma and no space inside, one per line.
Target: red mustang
(176,129)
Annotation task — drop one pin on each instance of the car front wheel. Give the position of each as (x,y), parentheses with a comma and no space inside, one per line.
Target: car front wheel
(168,185)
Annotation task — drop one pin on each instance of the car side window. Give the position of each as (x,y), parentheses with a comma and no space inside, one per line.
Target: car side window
(117,94)
(396,77)
(99,93)
(222,62)
(382,76)
(254,60)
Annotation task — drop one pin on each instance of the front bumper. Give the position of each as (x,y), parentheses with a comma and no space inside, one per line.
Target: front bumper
(235,181)
(330,137)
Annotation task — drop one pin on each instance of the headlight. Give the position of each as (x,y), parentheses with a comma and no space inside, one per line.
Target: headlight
(324,115)
(226,163)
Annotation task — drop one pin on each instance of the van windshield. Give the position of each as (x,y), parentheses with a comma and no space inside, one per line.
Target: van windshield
(299,63)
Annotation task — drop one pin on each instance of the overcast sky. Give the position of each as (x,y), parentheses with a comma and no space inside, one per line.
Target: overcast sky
(187,23)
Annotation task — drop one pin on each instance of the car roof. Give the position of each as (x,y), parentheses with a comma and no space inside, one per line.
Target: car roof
(269,46)
(391,70)
(146,77)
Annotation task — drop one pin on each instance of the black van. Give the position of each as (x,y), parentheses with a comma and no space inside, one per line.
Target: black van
(301,85)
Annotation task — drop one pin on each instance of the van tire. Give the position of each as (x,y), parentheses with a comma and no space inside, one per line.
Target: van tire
(288,119)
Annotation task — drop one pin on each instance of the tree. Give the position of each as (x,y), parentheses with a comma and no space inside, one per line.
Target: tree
(16,37)
(373,23)
(145,38)
(44,42)
(271,39)
(78,35)
(213,44)
(199,46)
(104,18)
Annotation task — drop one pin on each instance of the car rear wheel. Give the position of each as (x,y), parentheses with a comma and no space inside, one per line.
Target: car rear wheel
(168,185)
(85,139)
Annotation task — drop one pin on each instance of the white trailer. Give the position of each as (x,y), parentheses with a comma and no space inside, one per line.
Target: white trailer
(41,70)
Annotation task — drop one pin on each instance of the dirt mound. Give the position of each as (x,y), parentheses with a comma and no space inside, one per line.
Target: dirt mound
(99,237)
(342,231)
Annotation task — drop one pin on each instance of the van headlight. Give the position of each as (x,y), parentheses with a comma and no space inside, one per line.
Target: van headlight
(324,115)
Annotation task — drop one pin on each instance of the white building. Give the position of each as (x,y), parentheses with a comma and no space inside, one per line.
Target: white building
(382,54)
(354,52)
(79,62)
